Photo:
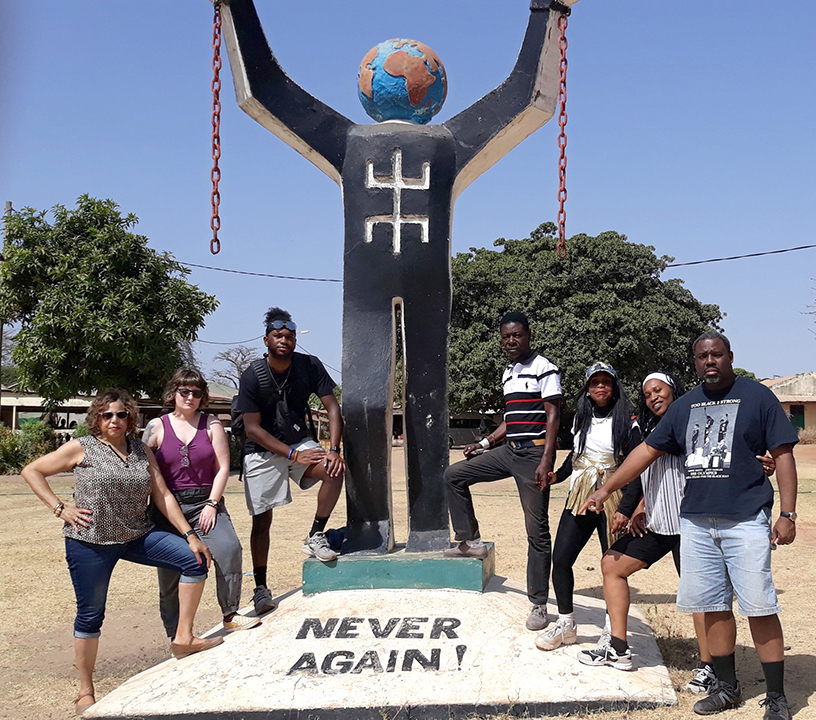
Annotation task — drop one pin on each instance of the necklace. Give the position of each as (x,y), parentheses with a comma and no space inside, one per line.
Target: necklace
(285,380)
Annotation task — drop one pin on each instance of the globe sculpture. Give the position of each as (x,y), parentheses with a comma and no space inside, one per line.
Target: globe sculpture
(402,80)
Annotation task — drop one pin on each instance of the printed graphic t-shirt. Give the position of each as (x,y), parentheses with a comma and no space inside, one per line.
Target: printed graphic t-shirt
(720,433)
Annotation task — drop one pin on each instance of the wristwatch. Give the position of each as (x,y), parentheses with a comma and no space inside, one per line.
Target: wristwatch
(790,515)
(335,449)
(190,532)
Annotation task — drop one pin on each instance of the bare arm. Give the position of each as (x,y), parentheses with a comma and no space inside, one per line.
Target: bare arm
(544,474)
(218,438)
(63,459)
(270,97)
(493,438)
(256,433)
(784,529)
(491,127)
(334,461)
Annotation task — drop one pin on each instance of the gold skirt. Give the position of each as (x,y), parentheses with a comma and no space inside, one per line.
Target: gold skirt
(590,471)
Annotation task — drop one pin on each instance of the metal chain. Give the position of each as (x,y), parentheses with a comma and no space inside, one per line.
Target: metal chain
(215,174)
(561,246)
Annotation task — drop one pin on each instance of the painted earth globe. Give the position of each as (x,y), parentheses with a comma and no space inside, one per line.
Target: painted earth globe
(402,80)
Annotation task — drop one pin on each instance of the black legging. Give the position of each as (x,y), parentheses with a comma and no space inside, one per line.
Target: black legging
(573,534)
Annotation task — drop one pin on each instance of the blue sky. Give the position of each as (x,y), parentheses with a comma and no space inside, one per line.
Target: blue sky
(690,129)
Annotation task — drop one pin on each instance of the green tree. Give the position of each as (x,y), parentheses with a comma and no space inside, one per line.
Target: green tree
(604,301)
(96,307)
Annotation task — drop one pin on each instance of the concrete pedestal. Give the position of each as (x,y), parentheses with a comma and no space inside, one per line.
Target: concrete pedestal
(410,653)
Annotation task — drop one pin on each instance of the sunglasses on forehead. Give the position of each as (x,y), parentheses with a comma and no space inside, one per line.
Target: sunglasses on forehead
(281,325)
(186,392)
(109,415)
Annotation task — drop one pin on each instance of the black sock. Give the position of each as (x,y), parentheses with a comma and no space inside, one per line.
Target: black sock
(319,525)
(724,669)
(260,575)
(620,646)
(774,677)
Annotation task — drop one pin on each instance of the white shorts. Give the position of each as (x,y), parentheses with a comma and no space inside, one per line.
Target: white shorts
(267,475)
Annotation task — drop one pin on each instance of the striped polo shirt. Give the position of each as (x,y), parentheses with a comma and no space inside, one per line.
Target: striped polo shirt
(527,386)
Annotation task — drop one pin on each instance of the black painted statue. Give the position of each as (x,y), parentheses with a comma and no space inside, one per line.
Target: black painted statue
(399,181)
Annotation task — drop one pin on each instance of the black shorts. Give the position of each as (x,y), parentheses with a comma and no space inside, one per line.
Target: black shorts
(649,548)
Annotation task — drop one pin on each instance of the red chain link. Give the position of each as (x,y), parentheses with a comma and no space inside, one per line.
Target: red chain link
(215,174)
(561,246)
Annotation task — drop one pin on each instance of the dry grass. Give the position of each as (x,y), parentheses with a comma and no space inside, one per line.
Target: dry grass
(36,598)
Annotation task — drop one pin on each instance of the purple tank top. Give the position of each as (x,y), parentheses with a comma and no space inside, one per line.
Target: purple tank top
(199,468)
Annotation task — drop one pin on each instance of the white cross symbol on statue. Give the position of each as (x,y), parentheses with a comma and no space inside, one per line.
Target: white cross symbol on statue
(397,183)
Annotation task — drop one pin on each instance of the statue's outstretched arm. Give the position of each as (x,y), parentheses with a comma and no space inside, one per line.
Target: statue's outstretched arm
(267,94)
(491,127)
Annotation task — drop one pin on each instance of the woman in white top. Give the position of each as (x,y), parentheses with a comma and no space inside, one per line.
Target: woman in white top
(603,434)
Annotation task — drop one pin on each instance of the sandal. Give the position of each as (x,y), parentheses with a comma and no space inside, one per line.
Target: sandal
(83,702)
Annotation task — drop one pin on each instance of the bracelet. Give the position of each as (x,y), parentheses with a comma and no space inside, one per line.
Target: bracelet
(212,503)
(58,508)
(295,455)
(485,443)
(190,532)
(292,451)
(335,449)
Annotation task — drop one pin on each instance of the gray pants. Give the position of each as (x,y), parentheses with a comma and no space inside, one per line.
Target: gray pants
(226,551)
(496,464)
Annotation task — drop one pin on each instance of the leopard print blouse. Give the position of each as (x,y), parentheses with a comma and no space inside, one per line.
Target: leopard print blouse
(116,490)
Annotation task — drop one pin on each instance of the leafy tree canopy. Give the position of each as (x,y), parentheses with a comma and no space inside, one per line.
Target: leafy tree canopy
(96,307)
(604,301)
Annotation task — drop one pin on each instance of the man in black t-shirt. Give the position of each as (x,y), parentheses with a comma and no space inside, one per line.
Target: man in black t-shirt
(279,448)
(726,536)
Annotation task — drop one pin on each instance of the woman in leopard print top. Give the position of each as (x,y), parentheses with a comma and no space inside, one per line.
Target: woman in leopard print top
(115,474)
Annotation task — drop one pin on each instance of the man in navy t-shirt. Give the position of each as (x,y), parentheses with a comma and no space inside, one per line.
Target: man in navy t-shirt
(725,516)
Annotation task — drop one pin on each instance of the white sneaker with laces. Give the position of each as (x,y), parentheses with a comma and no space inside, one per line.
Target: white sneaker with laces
(704,681)
(318,546)
(557,634)
(605,654)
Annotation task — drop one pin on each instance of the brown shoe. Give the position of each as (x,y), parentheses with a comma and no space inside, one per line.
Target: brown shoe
(182,650)
(463,550)
(83,702)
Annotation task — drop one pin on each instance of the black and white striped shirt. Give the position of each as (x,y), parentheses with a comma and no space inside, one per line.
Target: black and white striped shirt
(664,482)
(527,386)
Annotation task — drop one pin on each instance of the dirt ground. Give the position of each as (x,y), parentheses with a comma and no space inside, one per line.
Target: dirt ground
(37,601)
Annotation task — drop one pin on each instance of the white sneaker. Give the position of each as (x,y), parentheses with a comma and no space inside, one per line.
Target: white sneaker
(557,634)
(605,654)
(704,681)
(318,546)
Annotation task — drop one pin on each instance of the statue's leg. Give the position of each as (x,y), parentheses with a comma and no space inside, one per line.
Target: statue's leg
(368,362)
(426,315)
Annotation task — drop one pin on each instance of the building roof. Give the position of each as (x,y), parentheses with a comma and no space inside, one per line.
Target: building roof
(794,388)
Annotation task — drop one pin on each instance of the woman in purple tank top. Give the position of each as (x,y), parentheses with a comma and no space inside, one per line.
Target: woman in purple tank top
(193,454)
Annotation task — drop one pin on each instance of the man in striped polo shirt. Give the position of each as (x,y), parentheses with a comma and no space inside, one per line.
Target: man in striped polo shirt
(532,394)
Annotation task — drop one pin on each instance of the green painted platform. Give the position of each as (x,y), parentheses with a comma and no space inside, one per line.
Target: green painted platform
(398,570)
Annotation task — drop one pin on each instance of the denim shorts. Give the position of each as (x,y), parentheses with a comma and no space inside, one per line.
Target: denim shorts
(721,558)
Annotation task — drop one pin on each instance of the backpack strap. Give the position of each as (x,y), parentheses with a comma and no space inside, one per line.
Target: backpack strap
(265,381)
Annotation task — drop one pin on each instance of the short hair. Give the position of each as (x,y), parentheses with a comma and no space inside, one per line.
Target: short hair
(100,404)
(516,317)
(711,335)
(276,313)
(186,376)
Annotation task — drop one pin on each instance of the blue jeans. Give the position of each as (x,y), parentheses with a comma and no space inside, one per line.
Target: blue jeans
(91,566)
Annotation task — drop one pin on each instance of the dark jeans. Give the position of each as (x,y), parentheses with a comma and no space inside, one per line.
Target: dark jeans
(498,464)
(573,534)
(91,566)
(226,552)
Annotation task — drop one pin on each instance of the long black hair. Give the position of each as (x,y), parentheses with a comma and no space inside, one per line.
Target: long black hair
(648,419)
(620,408)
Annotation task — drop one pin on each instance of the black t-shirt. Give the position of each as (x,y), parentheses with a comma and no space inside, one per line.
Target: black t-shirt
(305,377)
(720,433)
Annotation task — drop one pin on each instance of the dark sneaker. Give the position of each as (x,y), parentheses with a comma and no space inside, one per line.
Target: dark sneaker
(463,550)
(776,707)
(723,697)
(318,546)
(262,600)
(703,682)
(605,654)
(537,619)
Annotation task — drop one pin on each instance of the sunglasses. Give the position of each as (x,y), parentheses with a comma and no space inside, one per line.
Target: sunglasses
(185,459)
(108,415)
(280,325)
(186,392)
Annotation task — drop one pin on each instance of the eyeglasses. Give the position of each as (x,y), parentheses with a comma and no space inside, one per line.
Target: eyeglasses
(108,415)
(280,325)
(186,392)
(185,460)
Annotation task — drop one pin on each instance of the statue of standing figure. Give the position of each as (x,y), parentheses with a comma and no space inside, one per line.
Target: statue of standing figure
(399,181)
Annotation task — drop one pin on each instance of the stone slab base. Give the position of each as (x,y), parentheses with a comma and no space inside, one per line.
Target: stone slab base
(400,569)
(398,654)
